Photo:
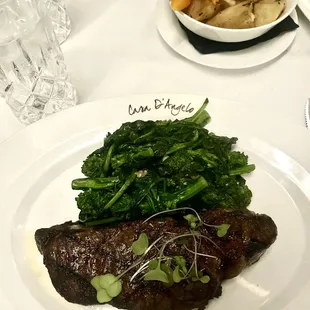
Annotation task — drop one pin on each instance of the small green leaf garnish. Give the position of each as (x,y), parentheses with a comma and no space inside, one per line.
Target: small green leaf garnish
(193,275)
(177,278)
(204,279)
(156,275)
(140,246)
(106,280)
(222,229)
(180,261)
(115,288)
(95,282)
(103,297)
(169,272)
(107,286)
(192,220)
(153,264)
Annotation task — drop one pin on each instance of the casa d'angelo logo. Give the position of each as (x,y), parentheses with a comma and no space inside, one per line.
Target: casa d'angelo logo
(165,104)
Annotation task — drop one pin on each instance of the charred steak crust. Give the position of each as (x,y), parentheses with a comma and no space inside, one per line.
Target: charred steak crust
(74,254)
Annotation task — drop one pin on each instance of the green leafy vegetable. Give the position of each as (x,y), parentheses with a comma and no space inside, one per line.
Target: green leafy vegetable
(153,264)
(181,262)
(169,272)
(195,276)
(146,167)
(114,289)
(103,296)
(140,246)
(192,220)
(106,280)
(177,278)
(222,230)
(93,165)
(95,282)
(156,275)
(108,286)
(204,279)
(96,183)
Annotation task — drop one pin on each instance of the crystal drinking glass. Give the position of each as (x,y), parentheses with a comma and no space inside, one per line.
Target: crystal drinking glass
(60,19)
(33,75)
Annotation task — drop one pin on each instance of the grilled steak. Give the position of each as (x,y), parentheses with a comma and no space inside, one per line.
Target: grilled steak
(74,254)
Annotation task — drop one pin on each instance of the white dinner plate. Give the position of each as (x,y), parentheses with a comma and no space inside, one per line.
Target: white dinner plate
(172,33)
(304,5)
(38,163)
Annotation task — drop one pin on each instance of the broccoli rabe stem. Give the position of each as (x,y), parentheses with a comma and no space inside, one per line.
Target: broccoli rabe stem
(104,221)
(121,191)
(209,158)
(172,160)
(201,117)
(179,146)
(125,158)
(108,160)
(242,170)
(187,193)
(96,184)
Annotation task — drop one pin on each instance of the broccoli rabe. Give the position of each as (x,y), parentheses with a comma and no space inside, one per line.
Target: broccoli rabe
(147,167)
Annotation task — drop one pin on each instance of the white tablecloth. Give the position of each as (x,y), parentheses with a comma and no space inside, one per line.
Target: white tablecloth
(115,49)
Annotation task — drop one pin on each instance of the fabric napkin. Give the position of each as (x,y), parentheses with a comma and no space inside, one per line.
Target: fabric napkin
(206,46)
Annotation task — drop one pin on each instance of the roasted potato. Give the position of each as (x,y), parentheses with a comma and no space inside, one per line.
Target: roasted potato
(267,11)
(203,9)
(239,16)
(227,3)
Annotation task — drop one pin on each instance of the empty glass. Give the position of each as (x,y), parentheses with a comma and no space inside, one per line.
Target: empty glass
(33,76)
(60,19)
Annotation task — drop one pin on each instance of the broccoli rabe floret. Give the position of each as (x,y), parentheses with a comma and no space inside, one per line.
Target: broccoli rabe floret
(147,167)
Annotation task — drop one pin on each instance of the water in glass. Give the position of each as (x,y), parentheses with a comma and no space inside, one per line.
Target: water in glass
(33,75)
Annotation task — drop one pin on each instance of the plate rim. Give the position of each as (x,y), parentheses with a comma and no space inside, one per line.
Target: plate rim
(305,8)
(69,114)
(160,7)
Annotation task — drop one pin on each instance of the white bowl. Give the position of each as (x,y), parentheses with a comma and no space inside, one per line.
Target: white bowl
(231,35)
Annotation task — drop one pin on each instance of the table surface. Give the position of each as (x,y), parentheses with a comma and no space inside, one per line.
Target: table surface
(115,49)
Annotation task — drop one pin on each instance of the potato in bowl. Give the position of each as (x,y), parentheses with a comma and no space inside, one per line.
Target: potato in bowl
(231,20)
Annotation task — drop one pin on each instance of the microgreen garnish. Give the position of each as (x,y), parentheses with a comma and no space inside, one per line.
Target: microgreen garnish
(103,297)
(142,268)
(107,286)
(156,275)
(195,221)
(169,272)
(170,211)
(115,289)
(154,265)
(200,254)
(222,229)
(195,274)
(111,284)
(204,279)
(192,220)
(106,280)
(177,277)
(181,262)
(140,246)
(95,282)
